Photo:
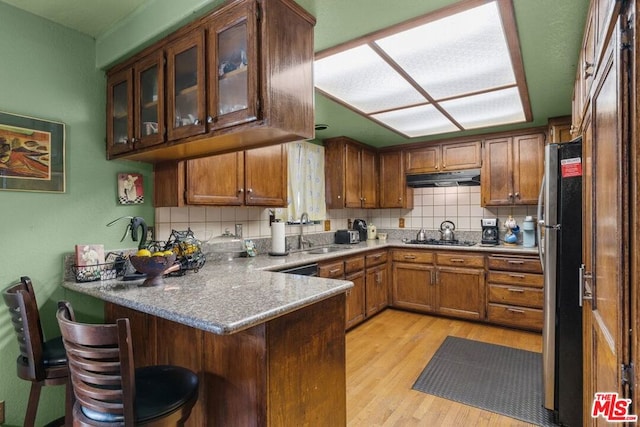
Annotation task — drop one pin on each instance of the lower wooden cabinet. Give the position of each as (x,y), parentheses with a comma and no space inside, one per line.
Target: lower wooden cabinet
(376,282)
(515,291)
(451,284)
(356,296)
(460,285)
(370,292)
(413,279)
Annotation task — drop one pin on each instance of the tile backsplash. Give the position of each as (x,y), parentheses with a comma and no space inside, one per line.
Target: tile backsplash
(461,205)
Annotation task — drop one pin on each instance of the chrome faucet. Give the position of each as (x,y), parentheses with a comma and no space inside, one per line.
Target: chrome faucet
(304,218)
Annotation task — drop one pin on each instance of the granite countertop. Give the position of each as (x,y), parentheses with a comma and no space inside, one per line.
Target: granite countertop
(229,296)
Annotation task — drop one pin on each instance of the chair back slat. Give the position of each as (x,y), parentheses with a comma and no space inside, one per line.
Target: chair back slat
(103,380)
(25,317)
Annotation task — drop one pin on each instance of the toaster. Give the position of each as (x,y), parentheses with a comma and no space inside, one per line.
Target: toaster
(347,236)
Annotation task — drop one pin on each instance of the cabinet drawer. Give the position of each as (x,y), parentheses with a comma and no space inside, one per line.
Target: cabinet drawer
(513,278)
(515,263)
(331,270)
(353,264)
(375,258)
(416,256)
(459,259)
(516,295)
(530,318)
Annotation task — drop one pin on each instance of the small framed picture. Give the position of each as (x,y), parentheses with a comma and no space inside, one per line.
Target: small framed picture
(130,189)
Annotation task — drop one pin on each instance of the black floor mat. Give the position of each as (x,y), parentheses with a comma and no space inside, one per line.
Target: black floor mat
(499,379)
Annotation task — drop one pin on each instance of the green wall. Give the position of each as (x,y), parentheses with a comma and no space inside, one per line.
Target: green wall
(49,72)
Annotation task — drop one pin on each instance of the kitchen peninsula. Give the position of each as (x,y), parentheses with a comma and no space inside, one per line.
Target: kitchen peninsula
(269,348)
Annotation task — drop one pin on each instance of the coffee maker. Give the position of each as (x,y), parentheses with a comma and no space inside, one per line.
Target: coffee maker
(489,231)
(361,226)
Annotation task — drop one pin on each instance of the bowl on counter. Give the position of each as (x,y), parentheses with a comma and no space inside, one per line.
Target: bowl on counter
(382,236)
(155,267)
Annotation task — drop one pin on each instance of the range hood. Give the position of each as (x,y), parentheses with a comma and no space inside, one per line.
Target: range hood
(445,179)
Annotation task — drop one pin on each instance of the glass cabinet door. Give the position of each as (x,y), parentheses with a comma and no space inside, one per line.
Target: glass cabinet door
(149,102)
(120,112)
(233,66)
(186,87)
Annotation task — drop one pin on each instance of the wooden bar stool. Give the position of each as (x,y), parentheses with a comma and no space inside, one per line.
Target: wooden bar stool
(109,391)
(41,362)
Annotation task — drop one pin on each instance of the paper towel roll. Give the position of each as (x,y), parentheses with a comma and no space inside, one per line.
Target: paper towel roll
(277,238)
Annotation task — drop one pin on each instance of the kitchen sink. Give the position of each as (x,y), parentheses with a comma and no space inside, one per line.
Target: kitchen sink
(326,250)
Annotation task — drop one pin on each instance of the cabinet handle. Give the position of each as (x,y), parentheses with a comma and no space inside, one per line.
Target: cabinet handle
(409,257)
(378,277)
(432,279)
(437,277)
(520,291)
(513,261)
(456,259)
(514,310)
(332,272)
(517,276)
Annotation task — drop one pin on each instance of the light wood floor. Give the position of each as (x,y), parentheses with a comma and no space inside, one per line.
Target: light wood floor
(386,354)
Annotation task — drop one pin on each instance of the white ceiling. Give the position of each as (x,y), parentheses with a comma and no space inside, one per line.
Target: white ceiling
(91,17)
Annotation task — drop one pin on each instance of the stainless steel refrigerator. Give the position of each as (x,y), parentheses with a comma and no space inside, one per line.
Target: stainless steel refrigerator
(560,246)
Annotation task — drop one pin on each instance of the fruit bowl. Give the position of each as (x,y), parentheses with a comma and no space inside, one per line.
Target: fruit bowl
(154,267)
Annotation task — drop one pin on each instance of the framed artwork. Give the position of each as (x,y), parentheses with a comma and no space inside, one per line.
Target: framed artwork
(32,154)
(130,188)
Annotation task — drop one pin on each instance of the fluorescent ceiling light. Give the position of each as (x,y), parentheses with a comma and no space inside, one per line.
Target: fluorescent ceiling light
(455,69)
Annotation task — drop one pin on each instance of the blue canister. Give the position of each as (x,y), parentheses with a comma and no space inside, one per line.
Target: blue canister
(528,232)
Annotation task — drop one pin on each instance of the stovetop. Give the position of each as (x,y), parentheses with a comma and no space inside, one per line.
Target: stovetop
(443,242)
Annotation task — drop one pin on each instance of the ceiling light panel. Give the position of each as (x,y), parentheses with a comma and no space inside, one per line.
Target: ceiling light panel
(417,121)
(486,109)
(361,78)
(462,53)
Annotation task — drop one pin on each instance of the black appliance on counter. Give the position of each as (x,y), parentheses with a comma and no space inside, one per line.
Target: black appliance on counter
(560,248)
(361,226)
(490,235)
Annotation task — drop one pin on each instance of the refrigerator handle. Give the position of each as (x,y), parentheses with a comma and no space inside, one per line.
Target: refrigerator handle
(540,221)
(586,293)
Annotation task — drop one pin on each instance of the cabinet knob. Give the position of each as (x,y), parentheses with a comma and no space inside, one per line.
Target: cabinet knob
(241,190)
(511,195)
(250,190)
(517,195)
(197,122)
(437,167)
(209,119)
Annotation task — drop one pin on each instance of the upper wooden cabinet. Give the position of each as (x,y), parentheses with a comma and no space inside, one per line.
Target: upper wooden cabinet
(560,129)
(444,157)
(394,192)
(237,78)
(135,105)
(512,170)
(256,177)
(351,174)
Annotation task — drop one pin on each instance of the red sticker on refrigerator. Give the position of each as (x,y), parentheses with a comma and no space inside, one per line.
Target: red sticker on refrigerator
(571,167)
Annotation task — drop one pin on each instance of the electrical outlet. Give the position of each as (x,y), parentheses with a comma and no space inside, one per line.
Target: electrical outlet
(327,225)
(401,222)
(2,412)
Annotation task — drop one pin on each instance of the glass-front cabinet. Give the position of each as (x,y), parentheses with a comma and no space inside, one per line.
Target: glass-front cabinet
(186,86)
(149,100)
(135,105)
(233,66)
(120,112)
